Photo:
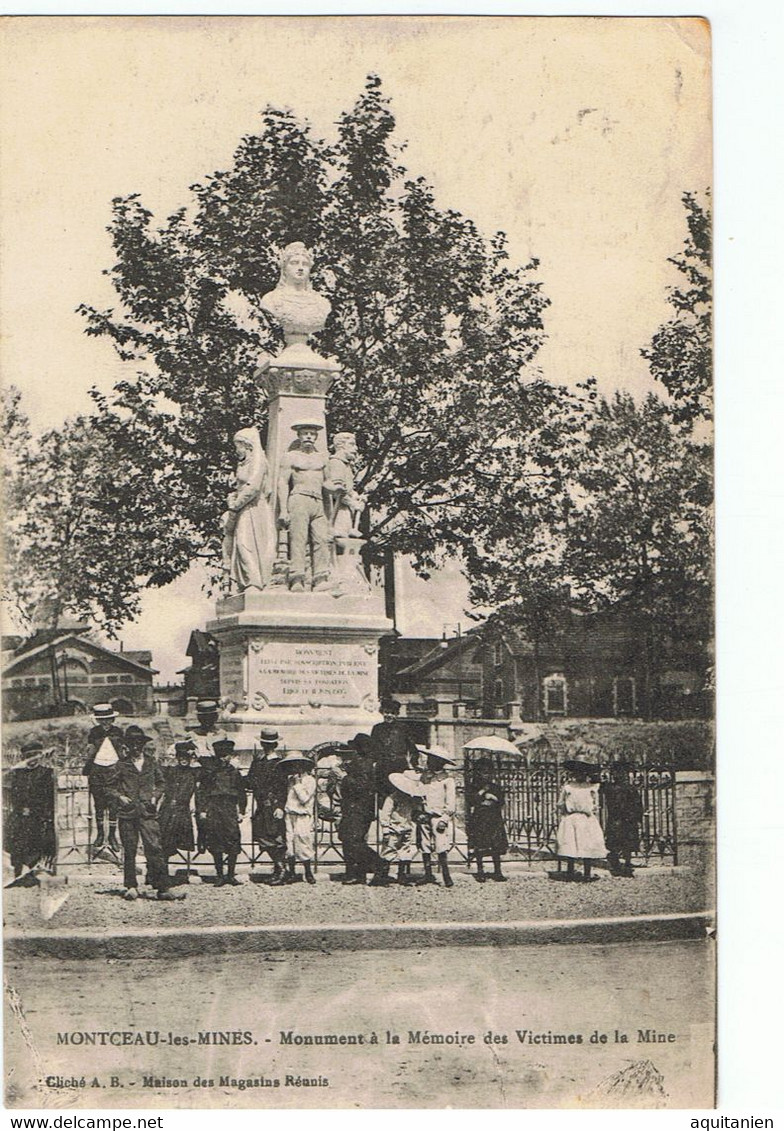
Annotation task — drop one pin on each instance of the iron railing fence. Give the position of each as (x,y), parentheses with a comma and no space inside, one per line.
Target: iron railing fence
(530,813)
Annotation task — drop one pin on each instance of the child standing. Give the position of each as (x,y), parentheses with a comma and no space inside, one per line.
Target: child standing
(436,826)
(300,813)
(579,835)
(397,818)
(357,809)
(623,803)
(174,814)
(222,800)
(486,831)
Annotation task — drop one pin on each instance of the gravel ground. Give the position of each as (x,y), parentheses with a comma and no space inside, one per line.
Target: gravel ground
(526,896)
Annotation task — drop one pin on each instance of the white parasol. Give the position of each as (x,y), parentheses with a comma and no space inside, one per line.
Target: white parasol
(491,744)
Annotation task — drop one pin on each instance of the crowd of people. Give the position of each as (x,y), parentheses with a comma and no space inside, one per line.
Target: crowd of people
(195,806)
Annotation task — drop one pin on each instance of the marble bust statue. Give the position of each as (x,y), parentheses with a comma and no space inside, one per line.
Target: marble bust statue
(293,303)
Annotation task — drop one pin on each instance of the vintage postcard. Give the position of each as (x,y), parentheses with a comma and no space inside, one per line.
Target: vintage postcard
(358,646)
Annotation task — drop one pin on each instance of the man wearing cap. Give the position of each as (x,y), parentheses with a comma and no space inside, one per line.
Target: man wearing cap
(268,789)
(393,749)
(222,795)
(301,485)
(136,784)
(103,741)
(436,825)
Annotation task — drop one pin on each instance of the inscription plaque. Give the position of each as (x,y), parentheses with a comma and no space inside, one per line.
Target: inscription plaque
(333,675)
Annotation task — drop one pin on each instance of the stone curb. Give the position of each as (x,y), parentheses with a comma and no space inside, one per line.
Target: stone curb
(172,942)
(79,874)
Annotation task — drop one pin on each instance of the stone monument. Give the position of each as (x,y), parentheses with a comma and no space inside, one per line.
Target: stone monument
(298,630)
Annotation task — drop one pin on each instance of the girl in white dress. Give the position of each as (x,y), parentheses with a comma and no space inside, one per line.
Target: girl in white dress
(579,835)
(300,813)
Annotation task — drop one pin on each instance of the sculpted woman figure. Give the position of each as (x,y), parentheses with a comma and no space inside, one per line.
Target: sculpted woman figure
(248,532)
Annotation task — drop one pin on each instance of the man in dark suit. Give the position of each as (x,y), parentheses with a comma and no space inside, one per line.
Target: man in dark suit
(136,785)
(268,788)
(391,747)
(103,742)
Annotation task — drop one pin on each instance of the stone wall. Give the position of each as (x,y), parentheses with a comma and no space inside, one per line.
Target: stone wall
(695,812)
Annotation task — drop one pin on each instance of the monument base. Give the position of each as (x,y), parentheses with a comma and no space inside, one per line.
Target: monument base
(304,663)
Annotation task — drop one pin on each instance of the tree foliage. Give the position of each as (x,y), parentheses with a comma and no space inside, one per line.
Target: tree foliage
(640,531)
(623,521)
(81,512)
(435,331)
(681,352)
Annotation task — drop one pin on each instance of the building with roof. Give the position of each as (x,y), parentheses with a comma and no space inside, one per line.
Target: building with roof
(65,672)
(445,678)
(598,665)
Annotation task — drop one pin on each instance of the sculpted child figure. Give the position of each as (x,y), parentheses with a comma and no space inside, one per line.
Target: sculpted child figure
(346,504)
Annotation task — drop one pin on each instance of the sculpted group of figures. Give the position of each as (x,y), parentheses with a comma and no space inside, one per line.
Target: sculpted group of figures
(382,776)
(314,496)
(316,501)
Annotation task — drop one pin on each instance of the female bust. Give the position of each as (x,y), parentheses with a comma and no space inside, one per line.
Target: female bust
(293,303)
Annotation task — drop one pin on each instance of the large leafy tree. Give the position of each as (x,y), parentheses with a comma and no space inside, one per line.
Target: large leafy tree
(681,352)
(620,519)
(640,531)
(435,331)
(81,514)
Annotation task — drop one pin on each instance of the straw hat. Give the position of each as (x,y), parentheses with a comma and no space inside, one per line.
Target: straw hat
(407,783)
(437,752)
(295,759)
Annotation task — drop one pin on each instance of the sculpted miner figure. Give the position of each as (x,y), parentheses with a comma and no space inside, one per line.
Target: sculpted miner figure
(346,504)
(248,531)
(293,303)
(301,485)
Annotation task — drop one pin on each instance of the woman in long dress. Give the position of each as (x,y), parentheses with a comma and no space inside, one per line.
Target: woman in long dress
(579,835)
(248,534)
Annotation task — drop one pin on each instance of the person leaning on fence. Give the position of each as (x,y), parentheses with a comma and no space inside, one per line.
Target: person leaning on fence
(221,801)
(174,813)
(624,812)
(268,789)
(300,814)
(103,741)
(485,820)
(579,834)
(436,829)
(357,809)
(397,820)
(135,785)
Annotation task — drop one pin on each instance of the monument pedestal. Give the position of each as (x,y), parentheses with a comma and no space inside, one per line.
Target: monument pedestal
(305,663)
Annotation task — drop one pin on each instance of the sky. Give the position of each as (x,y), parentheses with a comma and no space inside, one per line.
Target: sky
(576,137)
